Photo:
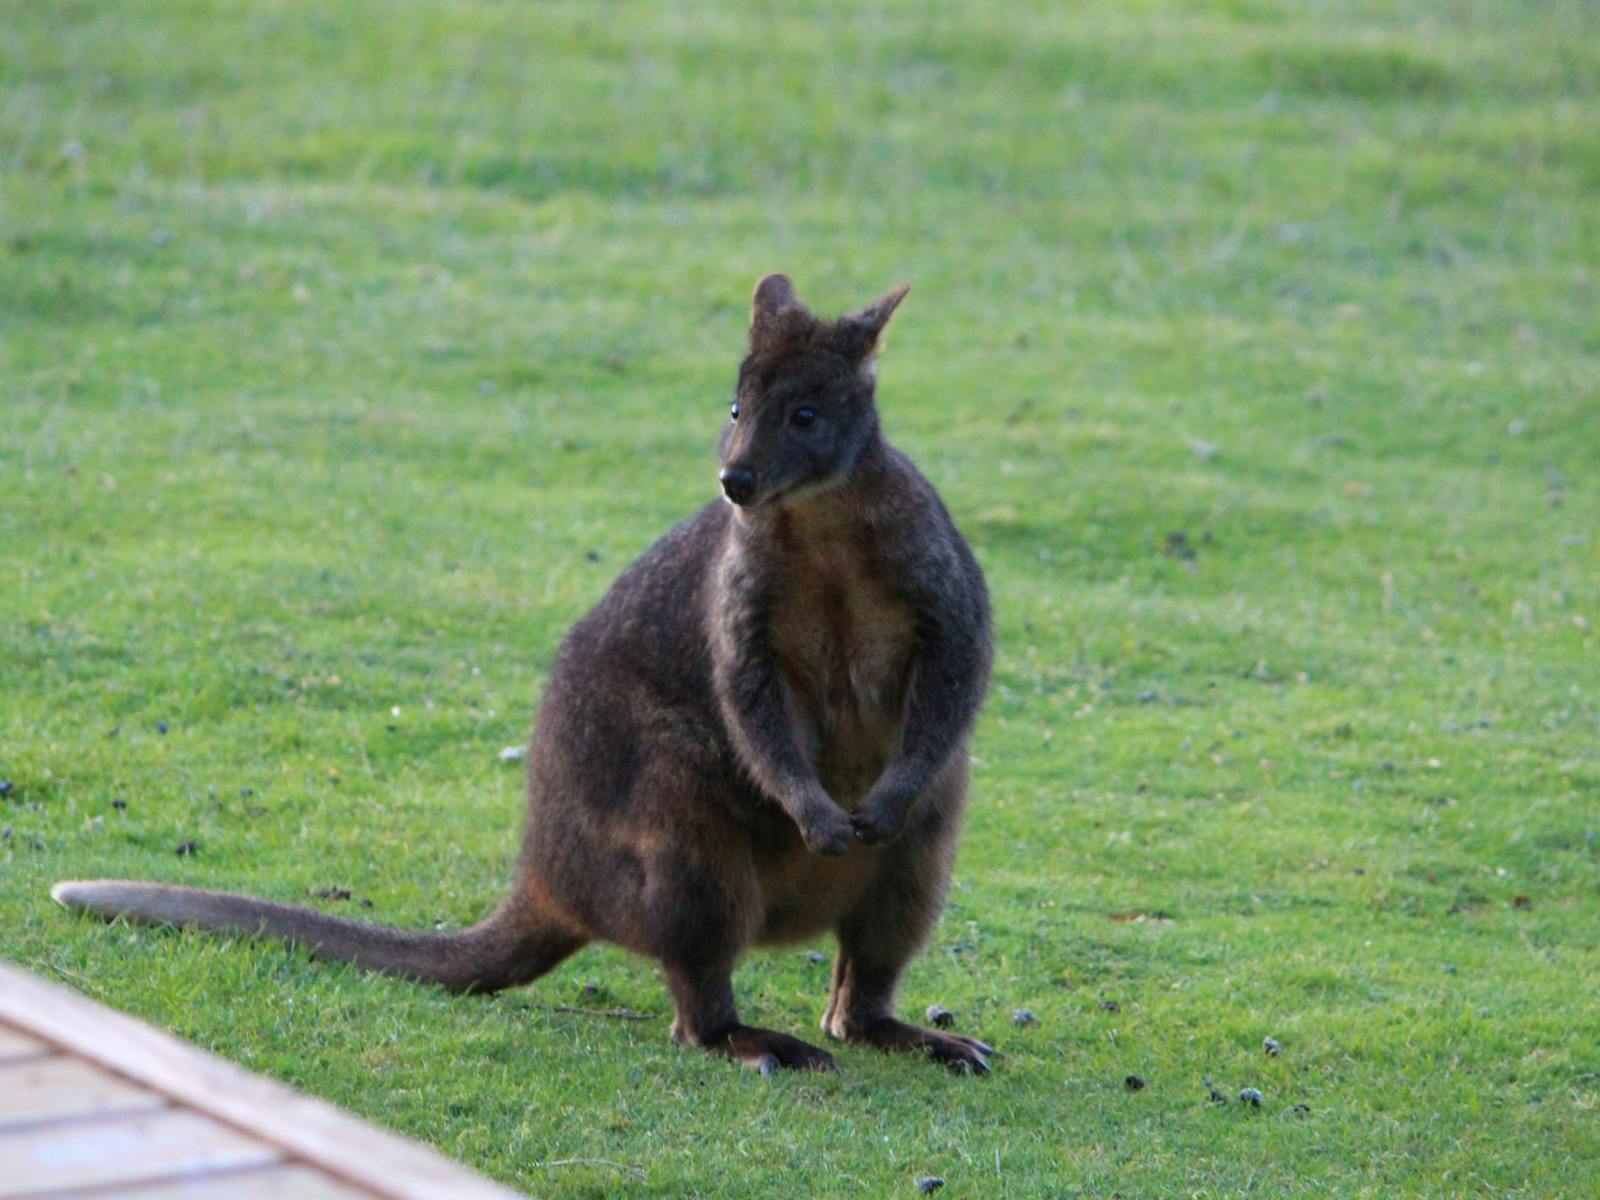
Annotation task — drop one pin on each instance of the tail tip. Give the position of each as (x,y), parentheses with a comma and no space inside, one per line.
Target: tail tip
(69,893)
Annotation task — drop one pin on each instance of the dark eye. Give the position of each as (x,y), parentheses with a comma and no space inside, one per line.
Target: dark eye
(734,412)
(801,417)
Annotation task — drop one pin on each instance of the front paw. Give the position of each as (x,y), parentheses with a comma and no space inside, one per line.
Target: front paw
(876,822)
(828,831)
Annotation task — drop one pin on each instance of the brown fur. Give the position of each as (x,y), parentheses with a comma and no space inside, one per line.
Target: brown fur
(758,735)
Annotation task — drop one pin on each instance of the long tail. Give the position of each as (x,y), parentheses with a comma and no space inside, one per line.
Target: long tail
(513,945)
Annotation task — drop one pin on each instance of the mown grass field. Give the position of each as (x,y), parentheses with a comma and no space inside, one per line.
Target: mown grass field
(347,352)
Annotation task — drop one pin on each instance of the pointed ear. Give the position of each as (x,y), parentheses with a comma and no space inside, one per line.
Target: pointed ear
(773,294)
(859,333)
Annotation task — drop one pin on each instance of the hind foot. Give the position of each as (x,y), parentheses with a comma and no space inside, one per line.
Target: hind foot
(965,1055)
(767,1050)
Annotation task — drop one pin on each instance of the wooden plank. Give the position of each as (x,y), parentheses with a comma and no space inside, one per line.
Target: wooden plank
(165,1145)
(61,1088)
(275,1183)
(304,1128)
(14,1045)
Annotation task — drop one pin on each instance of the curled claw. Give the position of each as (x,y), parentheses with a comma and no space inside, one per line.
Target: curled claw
(829,833)
(963,1055)
(872,826)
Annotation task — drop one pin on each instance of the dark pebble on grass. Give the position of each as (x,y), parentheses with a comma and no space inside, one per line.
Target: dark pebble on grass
(816,956)
(1300,1110)
(1024,1017)
(1110,1006)
(1134,1083)
(1270,1047)
(1177,545)
(940,1016)
(120,804)
(5,788)
(185,849)
(1520,901)
(1251,1096)
(1147,697)
(929,1184)
(161,726)
(331,893)
(364,902)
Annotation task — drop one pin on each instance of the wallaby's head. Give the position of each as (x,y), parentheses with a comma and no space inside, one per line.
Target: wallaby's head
(803,410)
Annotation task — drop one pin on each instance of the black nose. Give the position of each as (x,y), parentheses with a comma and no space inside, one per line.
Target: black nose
(739,483)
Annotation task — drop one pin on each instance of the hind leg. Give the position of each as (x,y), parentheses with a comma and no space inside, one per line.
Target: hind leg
(879,937)
(705,1016)
(698,909)
(862,1010)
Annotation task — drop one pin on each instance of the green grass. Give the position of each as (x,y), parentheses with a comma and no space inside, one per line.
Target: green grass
(347,352)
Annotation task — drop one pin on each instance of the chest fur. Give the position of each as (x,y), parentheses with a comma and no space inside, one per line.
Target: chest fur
(843,642)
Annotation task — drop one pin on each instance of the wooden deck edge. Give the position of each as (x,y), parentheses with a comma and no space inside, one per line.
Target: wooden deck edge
(310,1130)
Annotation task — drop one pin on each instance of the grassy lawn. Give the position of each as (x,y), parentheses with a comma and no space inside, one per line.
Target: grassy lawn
(347,352)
